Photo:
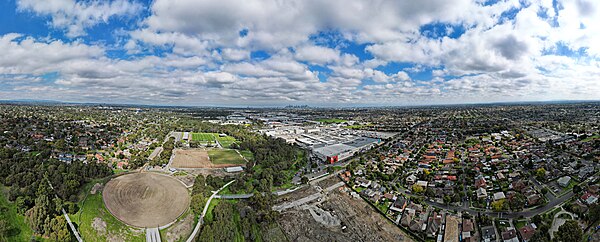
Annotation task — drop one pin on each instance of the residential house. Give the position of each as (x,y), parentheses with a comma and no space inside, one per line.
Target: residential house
(488,233)
(434,224)
(527,232)
(481,193)
(510,235)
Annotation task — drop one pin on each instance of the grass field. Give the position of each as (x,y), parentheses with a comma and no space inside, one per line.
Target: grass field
(93,207)
(247,154)
(8,211)
(204,137)
(226,141)
(218,156)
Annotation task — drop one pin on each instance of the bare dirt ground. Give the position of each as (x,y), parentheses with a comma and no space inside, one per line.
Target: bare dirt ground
(209,171)
(187,179)
(96,188)
(99,225)
(362,222)
(181,229)
(195,158)
(146,200)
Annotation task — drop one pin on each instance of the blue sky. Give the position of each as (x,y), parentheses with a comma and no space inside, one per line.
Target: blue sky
(272,53)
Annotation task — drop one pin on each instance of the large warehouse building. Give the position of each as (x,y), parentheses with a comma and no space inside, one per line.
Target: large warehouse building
(337,152)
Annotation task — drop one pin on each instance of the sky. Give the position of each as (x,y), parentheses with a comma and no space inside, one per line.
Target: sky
(299,52)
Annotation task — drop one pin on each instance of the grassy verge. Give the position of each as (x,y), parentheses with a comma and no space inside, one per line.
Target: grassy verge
(92,208)
(8,211)
(208,217)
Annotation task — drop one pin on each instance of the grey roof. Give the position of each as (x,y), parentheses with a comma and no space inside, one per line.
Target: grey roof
(360,142)
(333,149)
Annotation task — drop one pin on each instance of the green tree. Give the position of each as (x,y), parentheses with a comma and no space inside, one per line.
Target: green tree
(517,202)
(568,232)
(417,189)
(576,189)
(593,213)
(5,229)
(197,203)
(207,234)
(38,215)
(58,230)
(540,173)
(498,205)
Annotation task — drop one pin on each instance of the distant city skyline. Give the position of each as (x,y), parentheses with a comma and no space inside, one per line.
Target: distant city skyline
(318,53)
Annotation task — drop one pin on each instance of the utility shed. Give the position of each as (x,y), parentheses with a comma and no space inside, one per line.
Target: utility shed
(234,169)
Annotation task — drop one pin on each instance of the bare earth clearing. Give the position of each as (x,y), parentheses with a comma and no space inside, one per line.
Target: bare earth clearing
(181,229)
(146,200)
(195,158)
(323,221)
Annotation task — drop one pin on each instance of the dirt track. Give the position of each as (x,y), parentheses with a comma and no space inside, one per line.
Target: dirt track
(146,200)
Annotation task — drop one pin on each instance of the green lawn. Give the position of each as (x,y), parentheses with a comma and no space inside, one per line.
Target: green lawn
(219,156)
(8,211)
(93,207)
(226,141)
(383,207)
(208,217)
(204,137)
(520,223)
(247,154)
(564,191)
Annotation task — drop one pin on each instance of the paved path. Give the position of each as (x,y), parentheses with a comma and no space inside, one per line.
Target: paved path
(201,218)
(152,235)
(235,196)
(155,153)
(73,229)
(72,226)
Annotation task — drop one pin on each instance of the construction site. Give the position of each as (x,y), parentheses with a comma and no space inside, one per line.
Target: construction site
(326,211)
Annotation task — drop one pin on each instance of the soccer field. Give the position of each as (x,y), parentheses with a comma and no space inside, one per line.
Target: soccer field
(218,156)
(204,137)
(226,141)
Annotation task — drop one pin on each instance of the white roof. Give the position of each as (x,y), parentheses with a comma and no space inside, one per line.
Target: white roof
(498,196)
(234,169)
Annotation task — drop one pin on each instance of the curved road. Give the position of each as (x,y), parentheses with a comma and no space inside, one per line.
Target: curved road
(527,213)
